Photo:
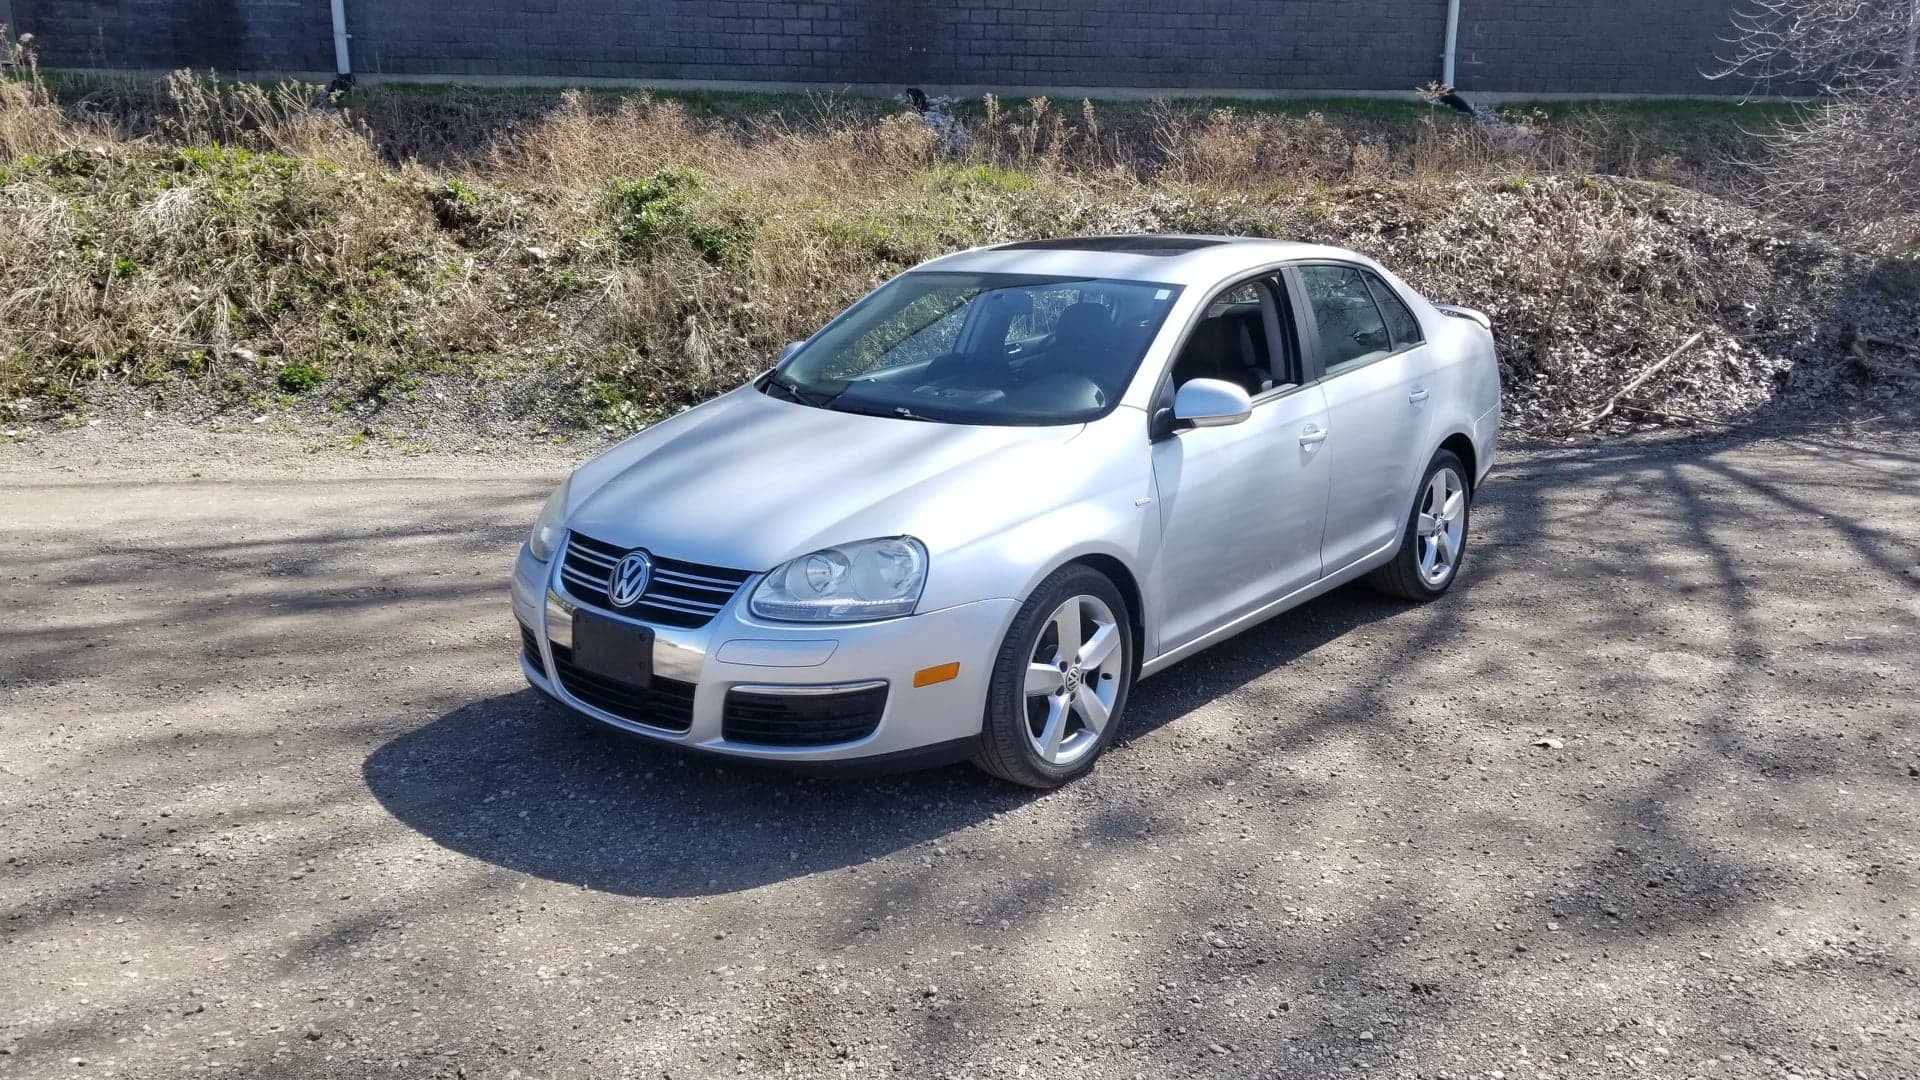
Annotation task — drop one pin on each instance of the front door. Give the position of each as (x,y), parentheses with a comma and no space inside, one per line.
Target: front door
(1242,508)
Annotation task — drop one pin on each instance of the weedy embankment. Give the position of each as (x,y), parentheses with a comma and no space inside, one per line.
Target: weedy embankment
(488,262)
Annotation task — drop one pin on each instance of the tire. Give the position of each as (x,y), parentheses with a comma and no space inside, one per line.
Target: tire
(1024,705)
(1408,576)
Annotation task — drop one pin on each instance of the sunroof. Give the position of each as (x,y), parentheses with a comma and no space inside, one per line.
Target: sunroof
(1118,245)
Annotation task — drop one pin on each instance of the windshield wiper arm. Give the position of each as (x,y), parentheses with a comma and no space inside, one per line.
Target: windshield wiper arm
(795,392)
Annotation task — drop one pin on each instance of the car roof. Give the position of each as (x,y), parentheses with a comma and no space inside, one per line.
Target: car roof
(1172,259)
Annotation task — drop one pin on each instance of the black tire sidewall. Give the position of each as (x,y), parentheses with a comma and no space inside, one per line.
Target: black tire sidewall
(1006,718)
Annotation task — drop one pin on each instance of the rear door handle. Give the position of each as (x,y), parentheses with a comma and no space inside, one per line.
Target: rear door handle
(1313,435)
(1419,395)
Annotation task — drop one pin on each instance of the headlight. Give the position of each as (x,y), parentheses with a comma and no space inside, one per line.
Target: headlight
(553,520)
(870,579)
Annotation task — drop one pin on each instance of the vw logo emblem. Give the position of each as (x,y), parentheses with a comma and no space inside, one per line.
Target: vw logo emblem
(629,579)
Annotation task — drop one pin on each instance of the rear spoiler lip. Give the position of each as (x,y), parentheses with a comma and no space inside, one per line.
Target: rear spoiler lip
(1470,314)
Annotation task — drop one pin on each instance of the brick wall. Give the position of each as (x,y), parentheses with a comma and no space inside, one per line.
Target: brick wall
(1645,46)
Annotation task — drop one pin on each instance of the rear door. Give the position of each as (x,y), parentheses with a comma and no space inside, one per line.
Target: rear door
(1375,369)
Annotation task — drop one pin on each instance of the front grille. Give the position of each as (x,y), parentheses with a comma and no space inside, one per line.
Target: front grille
(662,703)
(680,594)
(530,645)
(803,719)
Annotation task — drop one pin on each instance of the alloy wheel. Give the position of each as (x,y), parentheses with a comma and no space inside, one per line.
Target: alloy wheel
(1072,680)
(1442,526)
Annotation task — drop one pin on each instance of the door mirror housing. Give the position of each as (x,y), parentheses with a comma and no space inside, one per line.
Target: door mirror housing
(1210,403)
(791,348)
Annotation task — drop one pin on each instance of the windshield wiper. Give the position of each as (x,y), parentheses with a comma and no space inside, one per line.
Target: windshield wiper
(795,392)
(881,408)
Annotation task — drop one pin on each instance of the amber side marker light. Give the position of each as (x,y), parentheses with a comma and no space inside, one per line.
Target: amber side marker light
(943,673)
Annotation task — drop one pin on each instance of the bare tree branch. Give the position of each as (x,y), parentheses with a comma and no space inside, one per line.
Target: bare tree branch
(1853,159)
(1832,46)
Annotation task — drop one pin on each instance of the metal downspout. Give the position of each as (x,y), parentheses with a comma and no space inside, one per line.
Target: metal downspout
(342,62)
(1447,58)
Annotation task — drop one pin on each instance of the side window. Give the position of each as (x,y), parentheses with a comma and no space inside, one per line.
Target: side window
(1351,328)
(1239,298)
(1400,321)
(1230,342)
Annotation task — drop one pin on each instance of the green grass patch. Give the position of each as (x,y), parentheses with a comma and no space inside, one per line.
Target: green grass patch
(976,177)
(669,205)
(300,377)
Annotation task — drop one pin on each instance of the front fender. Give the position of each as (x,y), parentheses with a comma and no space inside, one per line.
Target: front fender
(1011,562)
(1108,513)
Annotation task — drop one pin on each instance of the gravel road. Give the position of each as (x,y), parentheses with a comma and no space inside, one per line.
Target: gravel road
(1639,799)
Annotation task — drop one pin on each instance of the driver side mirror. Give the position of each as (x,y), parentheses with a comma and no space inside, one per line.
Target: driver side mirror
(791,348)
(1202,403)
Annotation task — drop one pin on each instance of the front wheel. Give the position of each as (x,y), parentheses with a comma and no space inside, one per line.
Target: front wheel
(1060,681)
(1435,539)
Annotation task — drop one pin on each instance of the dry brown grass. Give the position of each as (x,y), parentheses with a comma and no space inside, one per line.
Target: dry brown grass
(227,243)
(31,121)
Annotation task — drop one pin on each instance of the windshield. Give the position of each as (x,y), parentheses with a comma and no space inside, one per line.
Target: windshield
(980,349)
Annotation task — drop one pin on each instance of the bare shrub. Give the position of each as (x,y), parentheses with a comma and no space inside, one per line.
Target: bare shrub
(1854,162)
(1853,159)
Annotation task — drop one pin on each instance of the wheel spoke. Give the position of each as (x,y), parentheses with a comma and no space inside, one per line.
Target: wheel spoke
(1093,711)
(1066,628)
(1428,552)
(1443,543)
(1056,727)
(1098,647)
(1456,502)
(1043,679)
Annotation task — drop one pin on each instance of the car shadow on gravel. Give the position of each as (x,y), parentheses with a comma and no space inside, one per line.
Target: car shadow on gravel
(518,782)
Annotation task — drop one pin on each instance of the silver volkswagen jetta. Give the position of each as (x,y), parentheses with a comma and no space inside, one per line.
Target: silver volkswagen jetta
(967,514)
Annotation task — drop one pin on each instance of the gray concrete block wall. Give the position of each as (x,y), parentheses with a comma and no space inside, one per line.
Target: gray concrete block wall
(1622,46)
(1598,46)
(1248,44)
(226,35)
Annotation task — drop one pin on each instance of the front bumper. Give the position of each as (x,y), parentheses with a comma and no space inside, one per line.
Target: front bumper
(737,651)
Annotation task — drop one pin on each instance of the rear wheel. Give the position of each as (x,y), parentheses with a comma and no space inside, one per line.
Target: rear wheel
(1435,540)
(1060,681)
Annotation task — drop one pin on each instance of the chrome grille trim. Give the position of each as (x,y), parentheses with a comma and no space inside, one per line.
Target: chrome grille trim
(695,581)
(681,594)
(586,554)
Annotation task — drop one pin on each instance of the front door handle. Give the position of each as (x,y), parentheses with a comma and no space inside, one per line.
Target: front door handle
(1313,435)
(1419,395)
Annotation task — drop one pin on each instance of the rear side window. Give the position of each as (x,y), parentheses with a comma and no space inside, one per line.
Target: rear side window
(1350,328)
(1400,322)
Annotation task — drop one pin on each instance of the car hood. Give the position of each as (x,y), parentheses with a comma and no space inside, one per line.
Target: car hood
(749,481)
